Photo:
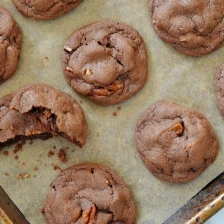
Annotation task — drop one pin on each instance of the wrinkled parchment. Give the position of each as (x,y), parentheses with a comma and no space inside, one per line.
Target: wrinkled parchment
(172,77)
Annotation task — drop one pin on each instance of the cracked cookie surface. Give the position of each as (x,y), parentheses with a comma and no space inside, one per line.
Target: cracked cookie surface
(10,44)
(106,61)
(45,9)
(175,143)
(89,193)
(40,111)
(192,27)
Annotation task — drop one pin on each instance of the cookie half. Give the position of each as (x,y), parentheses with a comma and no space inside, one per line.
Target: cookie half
(106,61)
(89,193)
(175,143)
(45,9)
(192,27)
(40,111)
(10,44)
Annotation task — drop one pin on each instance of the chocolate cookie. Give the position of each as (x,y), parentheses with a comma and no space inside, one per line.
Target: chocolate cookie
(40,111)
(45,9)
(89,193)
(105,61)
(176,143)
(10,43)
(193,27)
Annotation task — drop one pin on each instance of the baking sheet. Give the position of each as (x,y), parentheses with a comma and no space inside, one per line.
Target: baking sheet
(172,77)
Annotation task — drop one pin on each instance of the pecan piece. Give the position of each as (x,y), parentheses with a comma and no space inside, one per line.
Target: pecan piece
(178,128)
(88,216)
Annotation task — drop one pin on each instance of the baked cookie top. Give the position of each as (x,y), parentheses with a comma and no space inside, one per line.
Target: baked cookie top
(45,9)
(106,61)
(89,193)
(176,143)
(193,27)
(10,44)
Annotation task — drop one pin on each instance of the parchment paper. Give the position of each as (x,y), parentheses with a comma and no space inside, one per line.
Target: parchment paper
(172,77)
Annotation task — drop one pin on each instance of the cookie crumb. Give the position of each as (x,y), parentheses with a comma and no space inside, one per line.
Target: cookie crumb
(16,157)
(50,154)
(36,168)
(34,176)
(80,101)
(6,174)
(31,142)
(114,114)
(6,153)
(23,176)
(62,156)
(57,168)
(54,147)
(46,57)
(23,164)
(119,108)
(42,210)
(18,147)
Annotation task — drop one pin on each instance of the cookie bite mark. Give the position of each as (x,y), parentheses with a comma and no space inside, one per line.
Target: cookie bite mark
(45,10)
(192,27)
(10,44)
(89,193)
(105,61)
(40,111)
(175,143)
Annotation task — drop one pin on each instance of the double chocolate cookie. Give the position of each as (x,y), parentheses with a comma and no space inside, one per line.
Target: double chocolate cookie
(89,193)
(175,143)
(40,111)
(45,9)
(10,43)
(193,27)
(105,61)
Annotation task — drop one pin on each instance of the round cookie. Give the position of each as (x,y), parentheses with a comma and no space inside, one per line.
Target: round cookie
(106,61)
(175,143)
(89,193)
(10,44)
(219,85)
(45,9)
(192,27)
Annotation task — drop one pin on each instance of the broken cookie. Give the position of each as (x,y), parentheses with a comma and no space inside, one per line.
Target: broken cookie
(40,111)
